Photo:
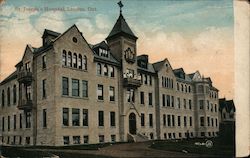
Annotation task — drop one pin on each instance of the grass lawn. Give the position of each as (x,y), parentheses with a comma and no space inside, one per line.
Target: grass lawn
(219,148)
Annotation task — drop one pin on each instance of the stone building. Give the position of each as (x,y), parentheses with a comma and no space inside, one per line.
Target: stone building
(71,92)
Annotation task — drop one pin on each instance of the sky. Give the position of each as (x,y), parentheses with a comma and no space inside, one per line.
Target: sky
(192,34)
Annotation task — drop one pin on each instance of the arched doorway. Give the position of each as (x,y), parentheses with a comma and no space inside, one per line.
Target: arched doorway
(132,123)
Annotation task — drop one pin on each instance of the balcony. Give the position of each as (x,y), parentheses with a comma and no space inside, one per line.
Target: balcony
(131,80)
(24,77)
(25,105)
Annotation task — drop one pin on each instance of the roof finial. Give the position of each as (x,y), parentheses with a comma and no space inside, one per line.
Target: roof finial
(120,5)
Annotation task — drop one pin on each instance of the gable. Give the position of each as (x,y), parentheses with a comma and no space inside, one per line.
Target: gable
(166,68)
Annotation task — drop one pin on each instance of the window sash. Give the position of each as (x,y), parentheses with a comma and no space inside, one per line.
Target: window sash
(75,87)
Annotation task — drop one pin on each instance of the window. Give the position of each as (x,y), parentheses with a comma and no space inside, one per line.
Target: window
(163,100)
(145,79)
(190,121)
(28,119)
(169,120)
(142,97)
(8,96)
(212,122)
(215,108)
(112,71)
(64,58)
(20,121)
(14,94)
(80,61)
(66,140)
(66,116)
(164,120)
(208,121)
(130,95)
(44,88)
(179,121)
(202,134)
(8,123)
(85,117)
(178,87)
(14,122)
(168,100)
(208,105)
(99,69)
(200,89)
(142,119)
(112,93)
(27,66)
(86,139)
(27,140)
(28,92)
(44,61)
(186,88)
(184,103)
(202,121)
(85,88)
(150,99)
(182,87)
(173,120)
(3,124)
(75,87)
(74,60)
(76,140)
(201,103)
(105,70)
(75,117)
(100,118)
(44,118)
(70,59)
(150,120)
(172,101)
(216,122)
(101,138)
(112,119)
(85,62)
(150,80)
(190,104)
(3,98)
(65,86)
(189,89)
(179,102)
(100,92)
(185,121)
(74,39)
(113,138)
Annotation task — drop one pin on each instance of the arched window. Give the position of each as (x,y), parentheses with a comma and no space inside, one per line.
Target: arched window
(3,98)
(186,88)
(167,82)
(99,69)
(182,87)
(105,70)
(80,61)
(189,89)
(112,71)
(84,62)
(70,59)
(14,94)
(75,60)
(178,87)
(8,96)
(64,58)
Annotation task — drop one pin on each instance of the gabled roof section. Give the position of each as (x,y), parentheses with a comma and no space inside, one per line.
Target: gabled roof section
(50,32)
(158,65)
(227,104)
(121,27)
(102,44)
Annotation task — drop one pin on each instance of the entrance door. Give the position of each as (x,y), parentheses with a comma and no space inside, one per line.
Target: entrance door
(132,123)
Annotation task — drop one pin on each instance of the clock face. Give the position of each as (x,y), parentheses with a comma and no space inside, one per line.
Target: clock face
(129,55)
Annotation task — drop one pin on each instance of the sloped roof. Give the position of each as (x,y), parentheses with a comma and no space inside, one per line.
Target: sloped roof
(191,75)
(9,78)
(149,69)
(50,32)
(227,104)
(157,66)
(102,44)
(121,26)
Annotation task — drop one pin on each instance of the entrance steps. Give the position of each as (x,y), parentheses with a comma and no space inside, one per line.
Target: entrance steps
(137,137)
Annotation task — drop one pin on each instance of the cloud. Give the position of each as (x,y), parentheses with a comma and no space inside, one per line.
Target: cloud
(102,21)
(85,26)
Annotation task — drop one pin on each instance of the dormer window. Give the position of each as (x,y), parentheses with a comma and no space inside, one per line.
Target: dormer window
(103,52)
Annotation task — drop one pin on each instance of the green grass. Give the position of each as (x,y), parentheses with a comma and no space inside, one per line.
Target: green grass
(218,149)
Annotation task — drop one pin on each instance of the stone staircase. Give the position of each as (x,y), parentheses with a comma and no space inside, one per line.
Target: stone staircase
(137,137)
